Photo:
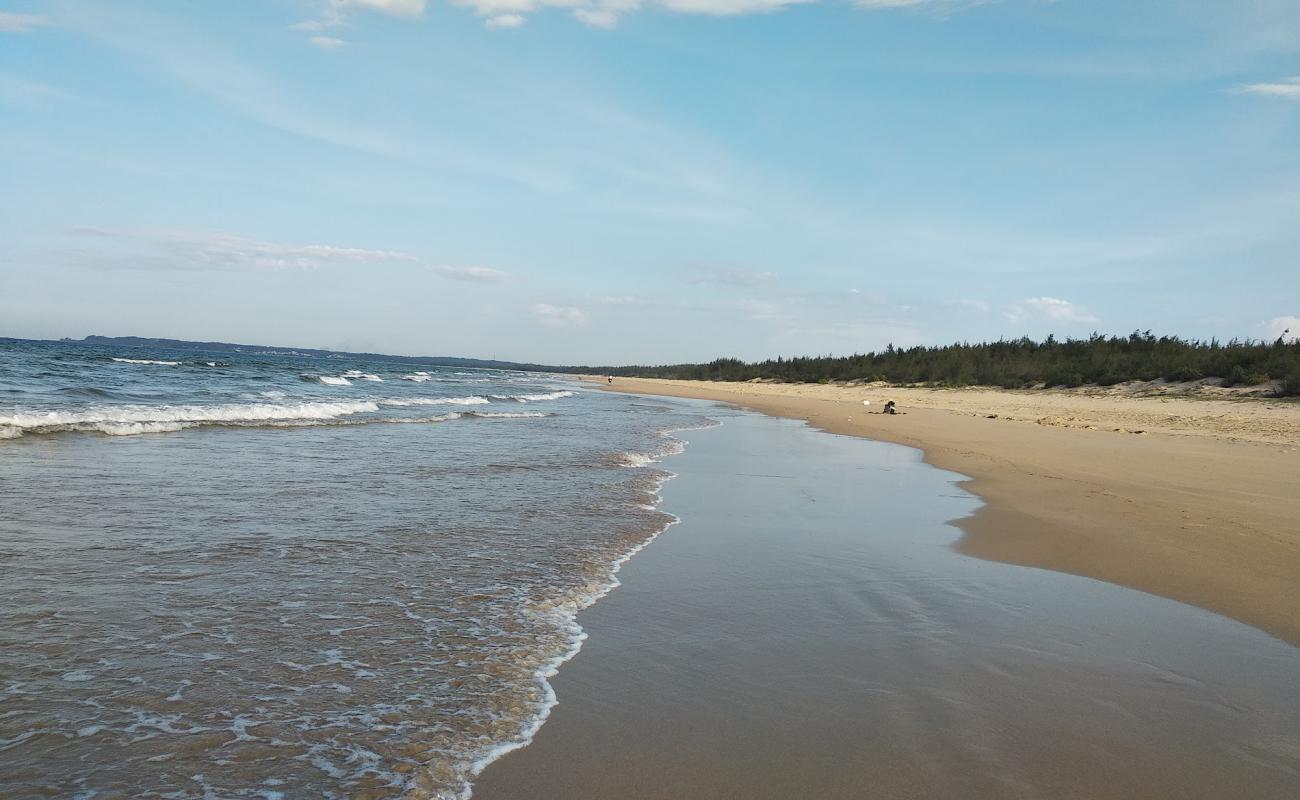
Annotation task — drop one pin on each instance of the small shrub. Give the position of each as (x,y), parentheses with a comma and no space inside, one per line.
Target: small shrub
(1236,377)
(1290,385)
(1067,379)
(1185,374)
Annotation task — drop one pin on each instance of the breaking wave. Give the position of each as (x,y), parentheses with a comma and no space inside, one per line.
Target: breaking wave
(127,420)
(134,420)
(147,361)
(532,398)
(437,401)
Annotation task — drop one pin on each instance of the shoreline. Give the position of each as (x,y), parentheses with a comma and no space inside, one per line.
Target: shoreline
(807,630)
(545,674)
(1206,519)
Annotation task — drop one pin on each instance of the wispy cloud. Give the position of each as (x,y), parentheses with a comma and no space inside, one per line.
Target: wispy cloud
(185,250)
(939,6)
(1053,308)
(607,13)
(471,274)
(505,21)
(503,14)
(728,8)
(574,139)
(328,42)
(623,300)
(559,316)
(396,8)
(1286,87)
(12,22)
(716,275)
(973,305)
(22,91)
(214,250)
(335,13)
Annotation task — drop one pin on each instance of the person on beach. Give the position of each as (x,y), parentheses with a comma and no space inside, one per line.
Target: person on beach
(889,408)
(611,379)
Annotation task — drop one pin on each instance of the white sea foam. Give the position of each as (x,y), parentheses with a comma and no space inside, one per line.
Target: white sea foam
(365,376)
(147,361)
(128,420)
(509,414)
(533,398)
(421,420)
(567,618)
(436,401)
(418,377)
(333,380)
(635,459)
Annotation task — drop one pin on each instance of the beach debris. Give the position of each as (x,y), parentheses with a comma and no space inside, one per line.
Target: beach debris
(991,416)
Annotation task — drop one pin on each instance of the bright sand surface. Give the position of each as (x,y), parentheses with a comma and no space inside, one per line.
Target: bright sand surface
(807,631)
(1197,500)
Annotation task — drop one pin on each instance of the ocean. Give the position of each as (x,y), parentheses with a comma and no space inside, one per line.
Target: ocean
(255,575)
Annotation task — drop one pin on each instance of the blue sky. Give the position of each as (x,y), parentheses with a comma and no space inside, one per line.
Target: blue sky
(648,181)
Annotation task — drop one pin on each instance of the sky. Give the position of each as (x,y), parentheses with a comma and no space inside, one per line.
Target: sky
(648,181)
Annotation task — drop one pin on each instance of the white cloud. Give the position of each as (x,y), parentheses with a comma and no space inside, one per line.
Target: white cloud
(395,8)
(11,22)
(219,251)
(759,310)
(623,300)
(473,274)
(503,14)
(203,250)
(1052,308)
(505,21)
(559,316)
(21,91)
(715,275)
(888,3)
(327,42)
(1287,326)
(607,13)
(728,8)
(334,13)
(941,7)
(974,305)
(1286,87)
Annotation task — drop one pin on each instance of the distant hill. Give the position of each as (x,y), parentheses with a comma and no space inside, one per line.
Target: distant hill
(256,349)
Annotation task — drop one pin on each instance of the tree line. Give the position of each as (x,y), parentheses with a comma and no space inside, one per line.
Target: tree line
(1017,364)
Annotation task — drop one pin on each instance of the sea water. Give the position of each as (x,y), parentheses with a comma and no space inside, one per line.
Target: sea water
(256,575)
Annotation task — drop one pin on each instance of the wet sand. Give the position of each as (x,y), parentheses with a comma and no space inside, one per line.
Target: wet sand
(1190,499)
(807,630)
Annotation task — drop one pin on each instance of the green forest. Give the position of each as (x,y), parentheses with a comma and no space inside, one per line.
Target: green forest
(1019,364)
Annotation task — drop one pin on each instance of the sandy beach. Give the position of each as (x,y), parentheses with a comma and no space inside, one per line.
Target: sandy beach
(1193,499)
(807,630)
